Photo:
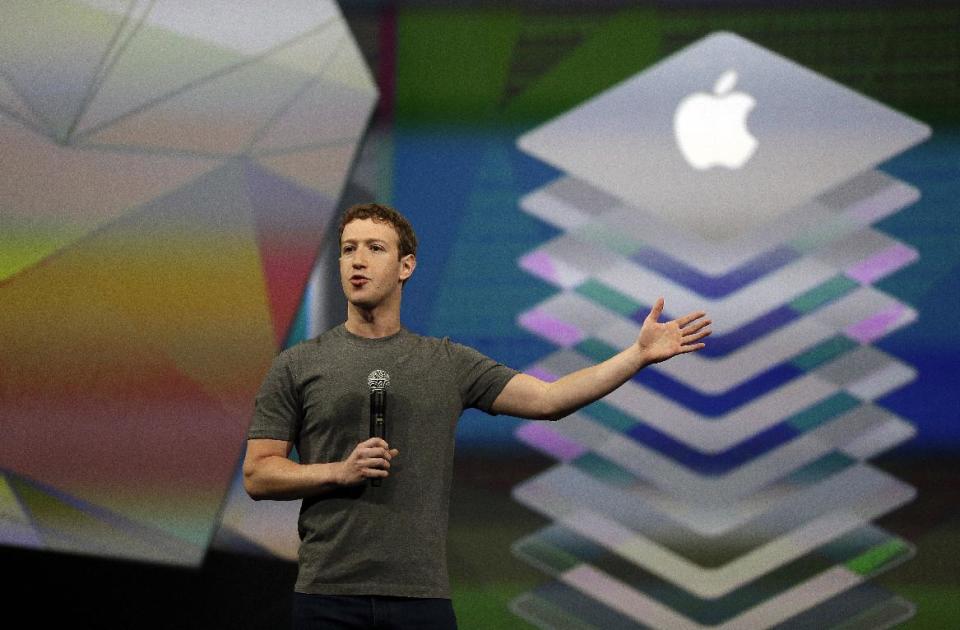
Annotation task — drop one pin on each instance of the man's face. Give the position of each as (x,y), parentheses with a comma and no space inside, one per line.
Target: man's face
(370,271)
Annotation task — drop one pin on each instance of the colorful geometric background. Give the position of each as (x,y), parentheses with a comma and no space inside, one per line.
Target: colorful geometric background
(170,173)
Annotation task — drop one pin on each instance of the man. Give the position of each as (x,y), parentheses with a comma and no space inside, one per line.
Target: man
(375,556)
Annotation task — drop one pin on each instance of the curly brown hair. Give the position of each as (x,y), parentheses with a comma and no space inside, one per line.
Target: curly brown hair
(382,214)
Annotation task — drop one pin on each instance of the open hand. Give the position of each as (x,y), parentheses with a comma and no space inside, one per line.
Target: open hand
(660,341)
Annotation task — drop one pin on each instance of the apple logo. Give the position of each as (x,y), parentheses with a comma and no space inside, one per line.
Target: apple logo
(711,130)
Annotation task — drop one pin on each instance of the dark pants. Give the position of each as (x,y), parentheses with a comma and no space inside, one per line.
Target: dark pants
(367,612)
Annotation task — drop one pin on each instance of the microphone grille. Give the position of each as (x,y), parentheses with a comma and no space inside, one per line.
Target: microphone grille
(378,380)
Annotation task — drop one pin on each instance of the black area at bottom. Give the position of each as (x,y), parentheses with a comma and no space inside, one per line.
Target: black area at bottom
(74,591)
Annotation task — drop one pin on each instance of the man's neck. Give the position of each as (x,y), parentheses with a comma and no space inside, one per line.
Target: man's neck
(372,324)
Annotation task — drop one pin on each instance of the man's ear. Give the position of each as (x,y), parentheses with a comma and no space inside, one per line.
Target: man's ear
(407,264)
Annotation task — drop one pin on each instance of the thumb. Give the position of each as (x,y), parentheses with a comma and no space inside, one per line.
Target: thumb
(656,311)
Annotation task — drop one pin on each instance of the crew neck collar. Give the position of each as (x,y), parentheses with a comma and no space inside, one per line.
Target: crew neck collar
(342,331)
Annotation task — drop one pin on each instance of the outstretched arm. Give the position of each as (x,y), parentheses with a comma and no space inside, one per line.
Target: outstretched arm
(526,396)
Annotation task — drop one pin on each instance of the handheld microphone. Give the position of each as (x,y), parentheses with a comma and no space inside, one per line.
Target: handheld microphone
(378,381)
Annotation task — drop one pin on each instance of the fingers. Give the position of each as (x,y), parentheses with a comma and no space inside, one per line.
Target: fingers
(373,467)
(682,322)
(369,459)
(375,447)
(373,457)
(693,338)
(656,311)
(374,441)
(690,340)
(695,333)
(377,454)
(374,463)
(695,326)
(376,451)
(690,317)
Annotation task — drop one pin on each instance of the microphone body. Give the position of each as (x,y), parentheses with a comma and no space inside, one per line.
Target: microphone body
(378,381)
(378,413)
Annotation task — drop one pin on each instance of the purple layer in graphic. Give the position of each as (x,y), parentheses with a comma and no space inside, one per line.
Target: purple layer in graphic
(881,264)
(542,437)
(551,328)
(876,326)
(540,265)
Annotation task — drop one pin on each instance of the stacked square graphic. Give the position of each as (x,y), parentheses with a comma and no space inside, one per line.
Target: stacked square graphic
(731,487)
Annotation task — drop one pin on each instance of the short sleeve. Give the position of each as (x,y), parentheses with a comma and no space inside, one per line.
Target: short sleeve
(278,411)
(480,378)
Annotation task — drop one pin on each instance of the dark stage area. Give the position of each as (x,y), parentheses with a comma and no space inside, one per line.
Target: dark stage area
(228,591)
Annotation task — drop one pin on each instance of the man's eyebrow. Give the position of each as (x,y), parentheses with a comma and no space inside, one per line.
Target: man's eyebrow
(369,240)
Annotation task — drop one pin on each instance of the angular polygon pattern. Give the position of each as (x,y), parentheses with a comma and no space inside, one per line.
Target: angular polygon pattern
(169,171)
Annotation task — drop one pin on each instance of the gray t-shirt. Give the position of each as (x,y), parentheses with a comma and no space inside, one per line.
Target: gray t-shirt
(387,540)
